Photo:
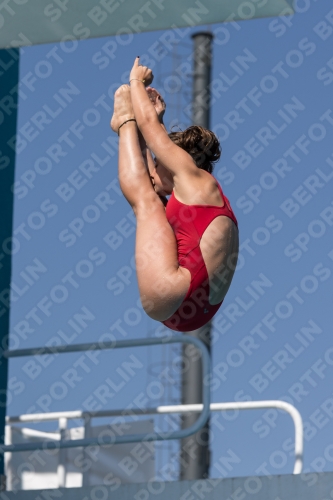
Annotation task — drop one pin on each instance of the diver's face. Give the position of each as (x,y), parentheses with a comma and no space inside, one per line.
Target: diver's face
(162,180)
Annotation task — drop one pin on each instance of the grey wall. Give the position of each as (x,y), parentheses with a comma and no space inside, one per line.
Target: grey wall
(304,487)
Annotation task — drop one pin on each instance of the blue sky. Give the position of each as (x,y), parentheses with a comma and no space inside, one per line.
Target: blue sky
(272,109)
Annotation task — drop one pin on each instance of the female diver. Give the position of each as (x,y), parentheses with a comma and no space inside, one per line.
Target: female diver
(187,246)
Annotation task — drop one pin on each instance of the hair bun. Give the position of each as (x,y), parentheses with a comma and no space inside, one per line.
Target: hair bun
(201,143)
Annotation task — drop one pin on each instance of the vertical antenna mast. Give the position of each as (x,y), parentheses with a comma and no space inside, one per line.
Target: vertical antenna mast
(195,452)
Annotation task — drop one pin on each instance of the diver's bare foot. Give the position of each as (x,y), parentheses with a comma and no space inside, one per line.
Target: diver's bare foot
(158,102)
(123,109)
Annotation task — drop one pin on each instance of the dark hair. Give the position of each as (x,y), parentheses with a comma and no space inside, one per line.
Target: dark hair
(201,144)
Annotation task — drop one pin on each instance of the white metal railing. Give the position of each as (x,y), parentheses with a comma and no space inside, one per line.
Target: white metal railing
(63,416)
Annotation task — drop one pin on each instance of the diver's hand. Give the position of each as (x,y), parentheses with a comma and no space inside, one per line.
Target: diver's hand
(139,72)
(157,101)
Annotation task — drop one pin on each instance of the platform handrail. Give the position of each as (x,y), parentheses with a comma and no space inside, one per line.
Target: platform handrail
(205,408)
(127,438)
(160,410)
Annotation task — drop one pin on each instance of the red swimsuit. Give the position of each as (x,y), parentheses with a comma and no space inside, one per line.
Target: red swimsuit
(189,222)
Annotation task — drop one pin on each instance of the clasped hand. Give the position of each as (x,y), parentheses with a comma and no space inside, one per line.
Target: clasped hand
(139,72)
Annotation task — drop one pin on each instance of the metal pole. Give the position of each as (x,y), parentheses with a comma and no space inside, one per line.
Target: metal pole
(8,94)
(195,452)
(62,456)
(201,78)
